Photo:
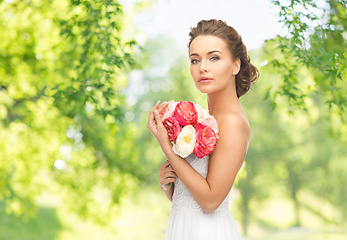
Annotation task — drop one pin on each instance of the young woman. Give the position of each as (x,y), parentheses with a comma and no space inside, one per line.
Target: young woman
(220,68)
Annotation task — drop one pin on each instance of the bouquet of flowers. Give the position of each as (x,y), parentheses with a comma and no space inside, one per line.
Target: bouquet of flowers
(191,128)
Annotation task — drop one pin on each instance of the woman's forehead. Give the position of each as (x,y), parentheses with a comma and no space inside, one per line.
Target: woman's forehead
(204,44)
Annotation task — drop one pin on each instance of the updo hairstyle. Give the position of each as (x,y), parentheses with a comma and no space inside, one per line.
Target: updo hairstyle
(248,72)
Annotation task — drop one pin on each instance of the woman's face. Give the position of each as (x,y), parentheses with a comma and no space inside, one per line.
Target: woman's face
(210,58)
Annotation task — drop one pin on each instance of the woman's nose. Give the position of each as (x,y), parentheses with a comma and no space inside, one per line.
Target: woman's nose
(203,66)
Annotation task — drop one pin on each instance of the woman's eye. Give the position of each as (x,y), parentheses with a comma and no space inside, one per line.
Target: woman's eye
(215,58)
(194,61)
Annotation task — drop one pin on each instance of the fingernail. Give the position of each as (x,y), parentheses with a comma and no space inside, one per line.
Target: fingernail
(156,112)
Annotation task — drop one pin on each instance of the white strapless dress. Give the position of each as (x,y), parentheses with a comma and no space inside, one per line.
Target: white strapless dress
(187,221)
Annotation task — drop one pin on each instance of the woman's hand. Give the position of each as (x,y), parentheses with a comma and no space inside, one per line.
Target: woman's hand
(166,175)
(155,124)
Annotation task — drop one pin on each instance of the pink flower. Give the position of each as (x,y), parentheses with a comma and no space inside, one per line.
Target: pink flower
(168,111)
(202,113)
(212,123)
(206,140)
(173,128)
(185,113)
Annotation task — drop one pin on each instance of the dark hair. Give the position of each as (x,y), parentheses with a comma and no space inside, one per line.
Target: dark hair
(248,72)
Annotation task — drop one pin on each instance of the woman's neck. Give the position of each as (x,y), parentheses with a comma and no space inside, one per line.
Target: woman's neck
(222,102)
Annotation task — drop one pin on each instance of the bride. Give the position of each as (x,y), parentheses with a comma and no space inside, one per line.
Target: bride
(221,69)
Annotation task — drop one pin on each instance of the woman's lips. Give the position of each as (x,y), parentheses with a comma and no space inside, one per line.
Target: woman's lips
(205,79)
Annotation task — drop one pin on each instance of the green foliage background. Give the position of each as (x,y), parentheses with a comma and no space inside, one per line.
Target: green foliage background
(62,66)
(76,158)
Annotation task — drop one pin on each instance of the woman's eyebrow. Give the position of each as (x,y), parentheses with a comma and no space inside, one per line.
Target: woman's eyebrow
(195,54)
(213,52)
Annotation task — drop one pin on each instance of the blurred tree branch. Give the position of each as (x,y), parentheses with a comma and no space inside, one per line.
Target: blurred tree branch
(316,40)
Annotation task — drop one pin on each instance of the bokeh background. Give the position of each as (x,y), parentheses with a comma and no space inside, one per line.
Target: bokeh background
(77,81)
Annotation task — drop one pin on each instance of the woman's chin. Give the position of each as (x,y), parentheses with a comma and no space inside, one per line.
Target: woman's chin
(200,89)
(205,90)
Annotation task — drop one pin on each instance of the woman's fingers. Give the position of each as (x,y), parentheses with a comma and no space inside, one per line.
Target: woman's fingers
(155,106)
(151,124)
(158,120)
(162,106)
(165,164)
(171,167)
(170,174)
(151,113)
(166,175)
(154,120)
(169,179)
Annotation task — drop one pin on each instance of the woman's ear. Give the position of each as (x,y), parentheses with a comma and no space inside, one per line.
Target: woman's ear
(237,65)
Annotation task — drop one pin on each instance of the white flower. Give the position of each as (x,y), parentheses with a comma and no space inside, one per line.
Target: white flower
(185,142)
(202,113)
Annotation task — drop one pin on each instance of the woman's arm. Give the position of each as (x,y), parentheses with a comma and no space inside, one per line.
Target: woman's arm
(166,174)
(224,164)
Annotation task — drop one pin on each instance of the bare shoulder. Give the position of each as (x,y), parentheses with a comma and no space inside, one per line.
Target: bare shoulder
(235,124)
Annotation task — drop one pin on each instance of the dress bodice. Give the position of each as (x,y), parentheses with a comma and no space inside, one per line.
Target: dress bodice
(182,200)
